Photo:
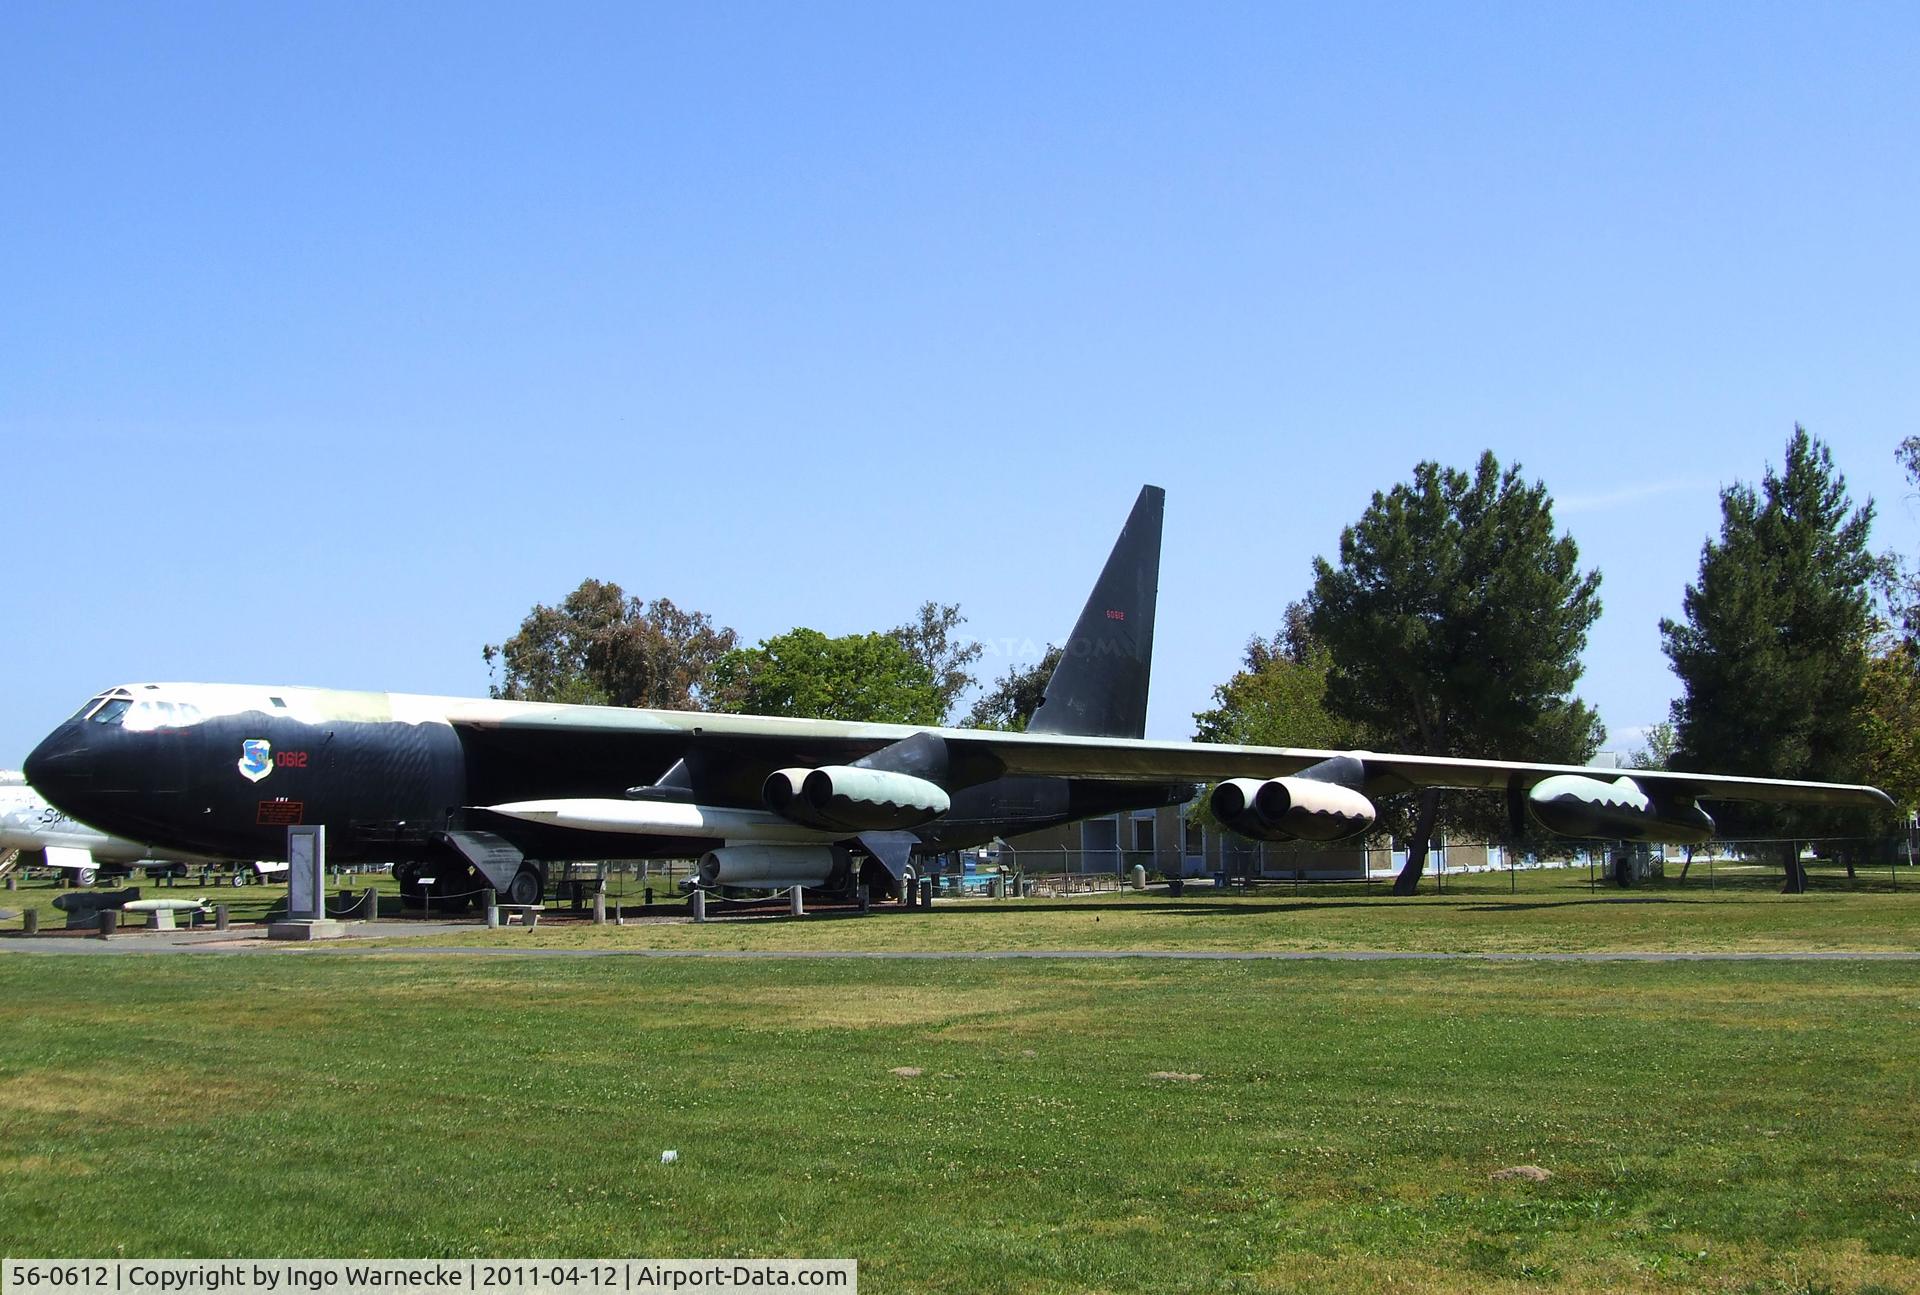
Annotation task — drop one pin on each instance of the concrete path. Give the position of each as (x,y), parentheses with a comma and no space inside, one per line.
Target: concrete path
(232,942)
(244,939)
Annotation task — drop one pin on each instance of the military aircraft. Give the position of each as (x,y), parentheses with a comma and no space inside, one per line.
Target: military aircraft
(474,792)
(48,837)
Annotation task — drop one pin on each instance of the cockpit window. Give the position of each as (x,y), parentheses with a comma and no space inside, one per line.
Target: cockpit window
(151,713)
(89,704)
(113,712)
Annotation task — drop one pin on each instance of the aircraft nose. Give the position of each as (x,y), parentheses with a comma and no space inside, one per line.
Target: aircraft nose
(60,765)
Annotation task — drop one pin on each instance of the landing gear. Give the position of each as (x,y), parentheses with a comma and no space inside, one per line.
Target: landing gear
(456,886)
(527,885)
(412,893)
(879,882)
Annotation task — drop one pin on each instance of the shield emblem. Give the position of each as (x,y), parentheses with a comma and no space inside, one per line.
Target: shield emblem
(256,759)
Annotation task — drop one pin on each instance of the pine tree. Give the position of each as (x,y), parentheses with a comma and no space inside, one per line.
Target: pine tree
(1454,625)
(1772,654)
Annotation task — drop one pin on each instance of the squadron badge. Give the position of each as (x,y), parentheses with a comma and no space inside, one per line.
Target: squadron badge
(256,759)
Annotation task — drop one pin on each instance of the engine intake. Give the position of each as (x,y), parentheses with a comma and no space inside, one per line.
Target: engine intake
(1618,810)
(1292,809)
(843,798)
(769,867)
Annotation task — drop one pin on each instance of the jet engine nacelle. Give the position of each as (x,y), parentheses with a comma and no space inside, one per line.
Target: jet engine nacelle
(1291,809)
(771,867)
(1617,810)
(843,798)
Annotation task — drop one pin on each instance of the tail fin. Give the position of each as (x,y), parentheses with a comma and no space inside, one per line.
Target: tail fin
(1099,689)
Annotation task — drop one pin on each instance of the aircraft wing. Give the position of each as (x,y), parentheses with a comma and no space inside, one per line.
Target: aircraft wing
(778,742)
(1386,772)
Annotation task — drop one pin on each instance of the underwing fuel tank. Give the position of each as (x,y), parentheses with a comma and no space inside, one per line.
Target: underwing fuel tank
(772,867)
(1291,809)
(843,798)
(1617,810)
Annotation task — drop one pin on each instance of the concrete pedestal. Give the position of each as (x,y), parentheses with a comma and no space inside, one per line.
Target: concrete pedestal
(324,928)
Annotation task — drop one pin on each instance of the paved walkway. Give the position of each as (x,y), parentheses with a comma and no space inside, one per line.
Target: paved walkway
(255,943)
(242,939)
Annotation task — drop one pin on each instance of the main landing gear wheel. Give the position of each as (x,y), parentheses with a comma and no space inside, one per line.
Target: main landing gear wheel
(526,886)
(412,893)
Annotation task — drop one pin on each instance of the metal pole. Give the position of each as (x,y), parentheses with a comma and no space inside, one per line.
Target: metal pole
(30,921)
(699,905)
(371,902)
(796,903)
(599,908)
(222,917)
(109,918)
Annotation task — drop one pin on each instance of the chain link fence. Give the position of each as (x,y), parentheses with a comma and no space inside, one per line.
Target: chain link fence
(1864,864)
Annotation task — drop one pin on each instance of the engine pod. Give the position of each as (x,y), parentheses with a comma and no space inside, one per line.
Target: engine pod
(844,798)
(1292,809)
(1572,804)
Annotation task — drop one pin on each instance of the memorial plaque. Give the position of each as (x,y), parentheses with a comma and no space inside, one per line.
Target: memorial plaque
(306,873)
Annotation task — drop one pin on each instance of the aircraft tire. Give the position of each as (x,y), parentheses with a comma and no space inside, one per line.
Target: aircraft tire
(455,883)
(412,894)
(526,886)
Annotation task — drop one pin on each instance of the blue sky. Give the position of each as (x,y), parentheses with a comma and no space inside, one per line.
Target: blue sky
(333,337)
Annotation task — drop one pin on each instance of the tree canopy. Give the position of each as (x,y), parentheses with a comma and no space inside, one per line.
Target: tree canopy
(1011,701)
(805,674)
(1890,704)
(602,647)
(931,639)
(1454,624)
(1772,652)
(1278,696)
(1890,722)
(1657,750)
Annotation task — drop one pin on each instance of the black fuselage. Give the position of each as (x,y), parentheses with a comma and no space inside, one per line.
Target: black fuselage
(230,785)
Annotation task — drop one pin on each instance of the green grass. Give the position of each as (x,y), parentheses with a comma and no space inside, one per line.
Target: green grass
(249,903)
(1552,911)
(1745,1128)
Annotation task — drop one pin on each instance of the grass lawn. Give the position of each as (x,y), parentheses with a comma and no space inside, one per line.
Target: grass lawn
(249,903)
(1542,911)
(1728,1127)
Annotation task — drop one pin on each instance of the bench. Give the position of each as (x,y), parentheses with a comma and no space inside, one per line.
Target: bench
(529,914)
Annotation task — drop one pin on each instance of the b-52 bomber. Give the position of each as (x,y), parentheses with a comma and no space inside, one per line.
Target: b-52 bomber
(482,792)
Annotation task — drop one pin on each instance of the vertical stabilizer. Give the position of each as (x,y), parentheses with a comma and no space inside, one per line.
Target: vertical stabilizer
(1099,689)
